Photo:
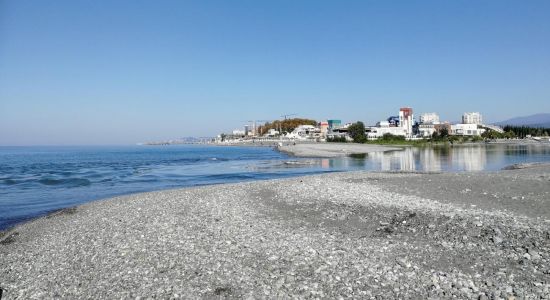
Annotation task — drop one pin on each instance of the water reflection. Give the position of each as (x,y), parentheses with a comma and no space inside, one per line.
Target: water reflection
(445,158)
(425,159)
(395,160)
(470,158)
(430,160)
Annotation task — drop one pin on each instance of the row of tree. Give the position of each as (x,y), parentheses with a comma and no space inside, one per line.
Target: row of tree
(523,131)
(491,134)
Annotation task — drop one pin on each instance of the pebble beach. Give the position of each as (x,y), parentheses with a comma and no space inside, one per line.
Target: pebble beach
(363,235)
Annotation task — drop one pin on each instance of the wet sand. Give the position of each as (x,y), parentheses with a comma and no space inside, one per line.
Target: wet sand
(364,235)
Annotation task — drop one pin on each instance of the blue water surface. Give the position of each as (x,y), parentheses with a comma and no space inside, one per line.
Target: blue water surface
(37,180)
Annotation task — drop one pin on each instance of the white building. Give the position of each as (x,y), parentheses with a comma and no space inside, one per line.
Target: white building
(378,132)
(404,128)
(466,129)
(406,120)
(383,124)
(304,132)
(426,129)
(429,118)
(271,133)
(472,118)
(323,126)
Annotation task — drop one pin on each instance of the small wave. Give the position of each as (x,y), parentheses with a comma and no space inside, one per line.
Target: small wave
(216,178)
(10,181)
(218,159)
(70,182)
(182,160)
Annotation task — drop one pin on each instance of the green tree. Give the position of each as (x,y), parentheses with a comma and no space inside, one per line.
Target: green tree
(523,131)
(440,135)
(339,139)
(388,137)
(509,134)
(444,132)
(476,138)
(491,134)
(357,132)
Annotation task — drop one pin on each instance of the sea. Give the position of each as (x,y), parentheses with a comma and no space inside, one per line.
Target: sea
(38,180)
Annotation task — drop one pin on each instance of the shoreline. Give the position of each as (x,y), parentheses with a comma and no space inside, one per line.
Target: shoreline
(330,150)
(359,234)
(339,147)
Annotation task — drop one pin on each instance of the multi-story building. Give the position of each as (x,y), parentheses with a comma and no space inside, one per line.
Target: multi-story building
(324,126)
(406,118)
(466,129)
(429,118)
(304,132)
(334,124)
(426,129)
(427,124)
(472,118)
(401,125)
(383,128)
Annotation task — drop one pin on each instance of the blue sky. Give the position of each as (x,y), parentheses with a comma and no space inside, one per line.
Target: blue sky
(121,72)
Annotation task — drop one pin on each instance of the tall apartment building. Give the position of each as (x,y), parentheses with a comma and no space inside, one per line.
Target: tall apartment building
(429,118)
(406,120)
(472,118)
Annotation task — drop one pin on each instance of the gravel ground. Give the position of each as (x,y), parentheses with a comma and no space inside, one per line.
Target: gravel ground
(339,235)
(331,149)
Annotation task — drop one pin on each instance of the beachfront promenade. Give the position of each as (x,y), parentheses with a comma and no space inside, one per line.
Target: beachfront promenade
(357,234)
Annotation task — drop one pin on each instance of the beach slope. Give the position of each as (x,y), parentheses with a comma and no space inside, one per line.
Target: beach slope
(358,234)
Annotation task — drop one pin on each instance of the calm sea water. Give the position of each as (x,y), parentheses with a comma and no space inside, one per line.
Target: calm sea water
(37,180)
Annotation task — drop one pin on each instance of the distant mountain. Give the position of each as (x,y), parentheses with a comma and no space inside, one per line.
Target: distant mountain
(537,120)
